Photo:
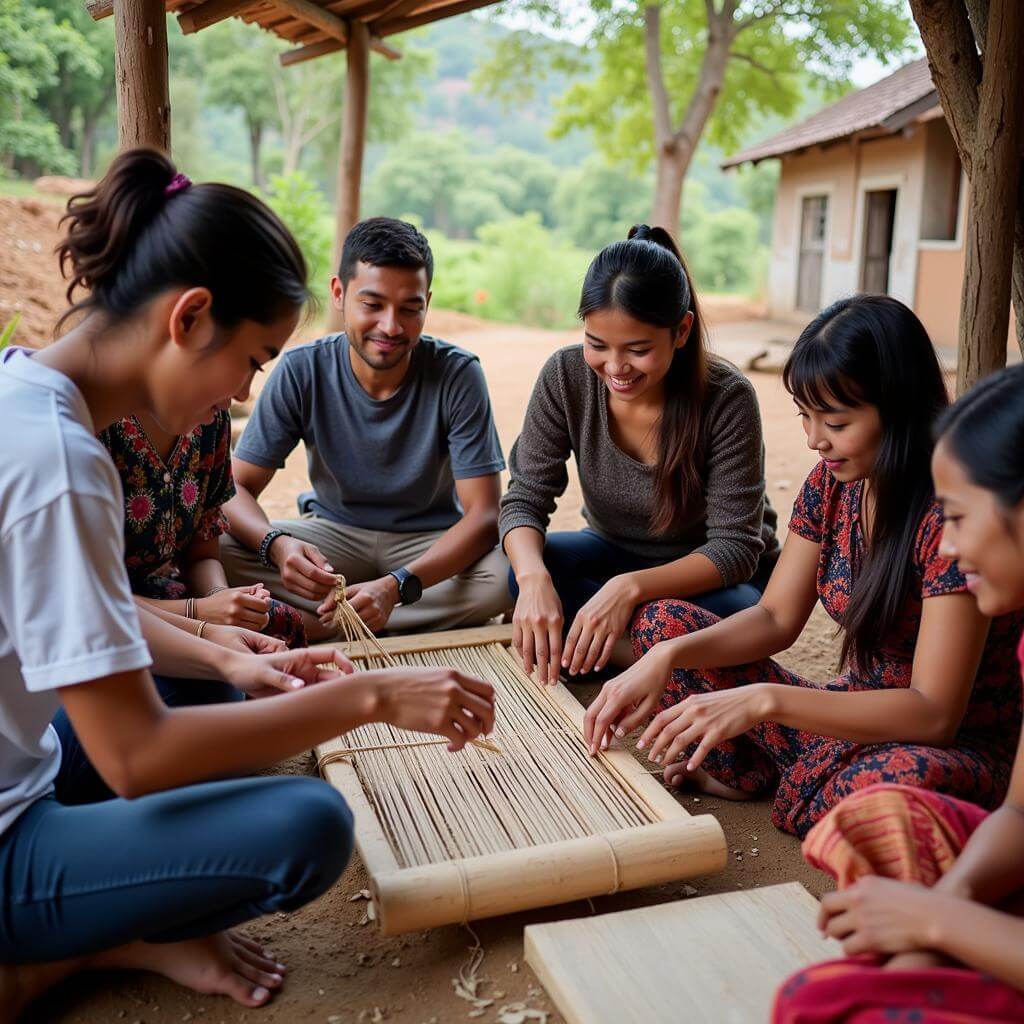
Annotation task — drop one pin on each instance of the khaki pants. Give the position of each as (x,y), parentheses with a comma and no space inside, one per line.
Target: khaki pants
(471,598)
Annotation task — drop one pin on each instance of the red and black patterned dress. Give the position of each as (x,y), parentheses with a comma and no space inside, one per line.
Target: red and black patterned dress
(168,505)
(812,773)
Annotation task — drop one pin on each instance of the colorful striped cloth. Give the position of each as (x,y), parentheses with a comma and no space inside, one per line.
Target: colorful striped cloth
(912,835)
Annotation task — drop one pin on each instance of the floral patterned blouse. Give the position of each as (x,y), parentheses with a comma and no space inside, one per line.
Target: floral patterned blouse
(168,505)
(827,512)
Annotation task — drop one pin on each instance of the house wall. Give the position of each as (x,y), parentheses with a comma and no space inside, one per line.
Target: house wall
(845,172)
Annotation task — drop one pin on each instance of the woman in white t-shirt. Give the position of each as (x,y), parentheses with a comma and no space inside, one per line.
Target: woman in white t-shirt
(189,290)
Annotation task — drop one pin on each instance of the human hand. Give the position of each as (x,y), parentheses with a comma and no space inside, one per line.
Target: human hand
(880,915)
(706,719)
(598,626)
(537,627)
(373,601)
(247,641)
(304,570)
(284,671)
(248,607)
(442,700)
(627,700)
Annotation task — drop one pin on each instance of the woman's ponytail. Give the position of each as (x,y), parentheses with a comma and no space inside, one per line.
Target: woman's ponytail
(144,228)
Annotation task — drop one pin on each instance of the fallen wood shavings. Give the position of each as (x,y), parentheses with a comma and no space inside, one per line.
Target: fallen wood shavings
(363,894)
(467,984)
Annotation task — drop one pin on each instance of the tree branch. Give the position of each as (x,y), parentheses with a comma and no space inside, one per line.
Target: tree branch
(772,73)
(977,11)
(655,75)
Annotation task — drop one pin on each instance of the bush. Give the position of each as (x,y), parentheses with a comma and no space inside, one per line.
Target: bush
(301,205)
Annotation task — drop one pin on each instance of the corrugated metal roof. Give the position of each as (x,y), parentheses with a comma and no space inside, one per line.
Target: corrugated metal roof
(907,91)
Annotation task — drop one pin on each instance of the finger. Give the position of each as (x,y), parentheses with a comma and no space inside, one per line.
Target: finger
(597,645)
(590,716)
(639,714)
(571,642)
(555,652)
(606,653)
(480,709)
(283,681)
(650,735)
(320,578)
(579,650)
(704,748)
(517,636)
(470,724)
(457,739)
(529,649)
(676,736)
(607,715)
(316,556)
(298,585)
(840,925)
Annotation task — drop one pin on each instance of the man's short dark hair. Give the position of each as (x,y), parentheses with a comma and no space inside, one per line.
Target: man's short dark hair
(385,242)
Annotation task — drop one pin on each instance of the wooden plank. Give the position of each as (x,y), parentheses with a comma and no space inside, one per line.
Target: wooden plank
(326,46)
(391,27)
(371,842)
(311,13)
(212,12)
(713,960)
(470,637)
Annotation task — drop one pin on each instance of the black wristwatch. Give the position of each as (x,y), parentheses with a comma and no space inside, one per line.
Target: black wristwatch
(410,589)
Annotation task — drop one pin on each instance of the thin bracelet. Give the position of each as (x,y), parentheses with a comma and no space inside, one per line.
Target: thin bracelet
(202,625)
(190,607)
(215,590)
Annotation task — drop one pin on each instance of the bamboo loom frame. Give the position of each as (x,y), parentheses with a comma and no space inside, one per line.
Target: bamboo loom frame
(675,846)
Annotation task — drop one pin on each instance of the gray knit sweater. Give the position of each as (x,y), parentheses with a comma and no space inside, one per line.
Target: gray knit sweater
(734,524)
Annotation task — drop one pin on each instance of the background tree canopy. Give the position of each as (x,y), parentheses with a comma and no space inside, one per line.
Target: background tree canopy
(516,196)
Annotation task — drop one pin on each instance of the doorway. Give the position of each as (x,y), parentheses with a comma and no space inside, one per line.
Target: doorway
(879,217)
(813,222)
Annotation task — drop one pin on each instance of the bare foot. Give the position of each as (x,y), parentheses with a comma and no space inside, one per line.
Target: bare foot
(227,964)
(676,775)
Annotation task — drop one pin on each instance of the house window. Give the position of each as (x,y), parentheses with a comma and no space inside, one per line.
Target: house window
(810,271)
(942,175)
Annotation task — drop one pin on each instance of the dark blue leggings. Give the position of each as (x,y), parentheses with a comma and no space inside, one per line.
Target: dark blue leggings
(581,563)
(78,877)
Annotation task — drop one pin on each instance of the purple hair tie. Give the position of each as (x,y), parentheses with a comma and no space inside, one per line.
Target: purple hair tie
(177,184)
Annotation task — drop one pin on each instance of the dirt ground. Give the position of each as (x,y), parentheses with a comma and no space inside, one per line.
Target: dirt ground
(340,971)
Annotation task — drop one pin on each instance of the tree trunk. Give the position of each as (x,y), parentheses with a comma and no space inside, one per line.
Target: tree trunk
(140,67)
(675,149)
(353,143)
(88,154)
(994,191)
(255,152)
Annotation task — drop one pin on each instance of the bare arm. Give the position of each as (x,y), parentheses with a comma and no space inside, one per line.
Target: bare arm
(138,745)
(247,521)
(202,568)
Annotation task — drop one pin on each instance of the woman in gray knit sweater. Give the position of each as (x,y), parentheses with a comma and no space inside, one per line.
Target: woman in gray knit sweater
(668,443)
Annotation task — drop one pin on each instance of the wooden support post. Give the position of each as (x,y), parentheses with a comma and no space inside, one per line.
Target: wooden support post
(985,305)
(140,67)
(353,143)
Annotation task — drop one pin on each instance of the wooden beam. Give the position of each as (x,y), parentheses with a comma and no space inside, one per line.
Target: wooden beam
(392,27)
(990,231)
(140,70)
(306,10)
(325,46)
(212,12)
(353,145)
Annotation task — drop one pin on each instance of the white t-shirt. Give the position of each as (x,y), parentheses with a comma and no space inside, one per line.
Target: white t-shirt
(66,609)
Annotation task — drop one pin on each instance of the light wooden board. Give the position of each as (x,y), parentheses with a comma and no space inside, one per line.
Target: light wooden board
(711,960)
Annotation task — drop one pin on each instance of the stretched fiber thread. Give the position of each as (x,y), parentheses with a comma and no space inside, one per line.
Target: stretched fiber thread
(542,788)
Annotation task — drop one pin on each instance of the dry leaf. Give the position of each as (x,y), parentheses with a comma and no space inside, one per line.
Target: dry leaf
(371,912)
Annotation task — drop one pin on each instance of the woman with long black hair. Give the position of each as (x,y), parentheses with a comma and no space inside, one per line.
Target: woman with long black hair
(668,443)
(928,694)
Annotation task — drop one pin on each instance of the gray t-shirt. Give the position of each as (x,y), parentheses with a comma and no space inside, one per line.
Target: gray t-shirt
(386,465)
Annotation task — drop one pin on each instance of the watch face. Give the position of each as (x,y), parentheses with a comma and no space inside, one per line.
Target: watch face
(411,589)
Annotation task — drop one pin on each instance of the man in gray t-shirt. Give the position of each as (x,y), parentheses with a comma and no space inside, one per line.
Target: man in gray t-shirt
(403,457)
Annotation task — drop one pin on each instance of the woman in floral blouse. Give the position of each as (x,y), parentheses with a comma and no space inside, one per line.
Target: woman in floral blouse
(174,487)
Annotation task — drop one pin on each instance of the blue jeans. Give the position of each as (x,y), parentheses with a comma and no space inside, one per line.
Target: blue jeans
(76,877)
(581,563)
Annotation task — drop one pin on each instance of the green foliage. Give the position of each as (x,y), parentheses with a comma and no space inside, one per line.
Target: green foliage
(8,332)
(30,40)
(777,45)
(301,205)
(597,203)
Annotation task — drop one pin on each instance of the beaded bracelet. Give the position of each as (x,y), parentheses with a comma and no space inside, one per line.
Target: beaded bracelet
(264,552)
